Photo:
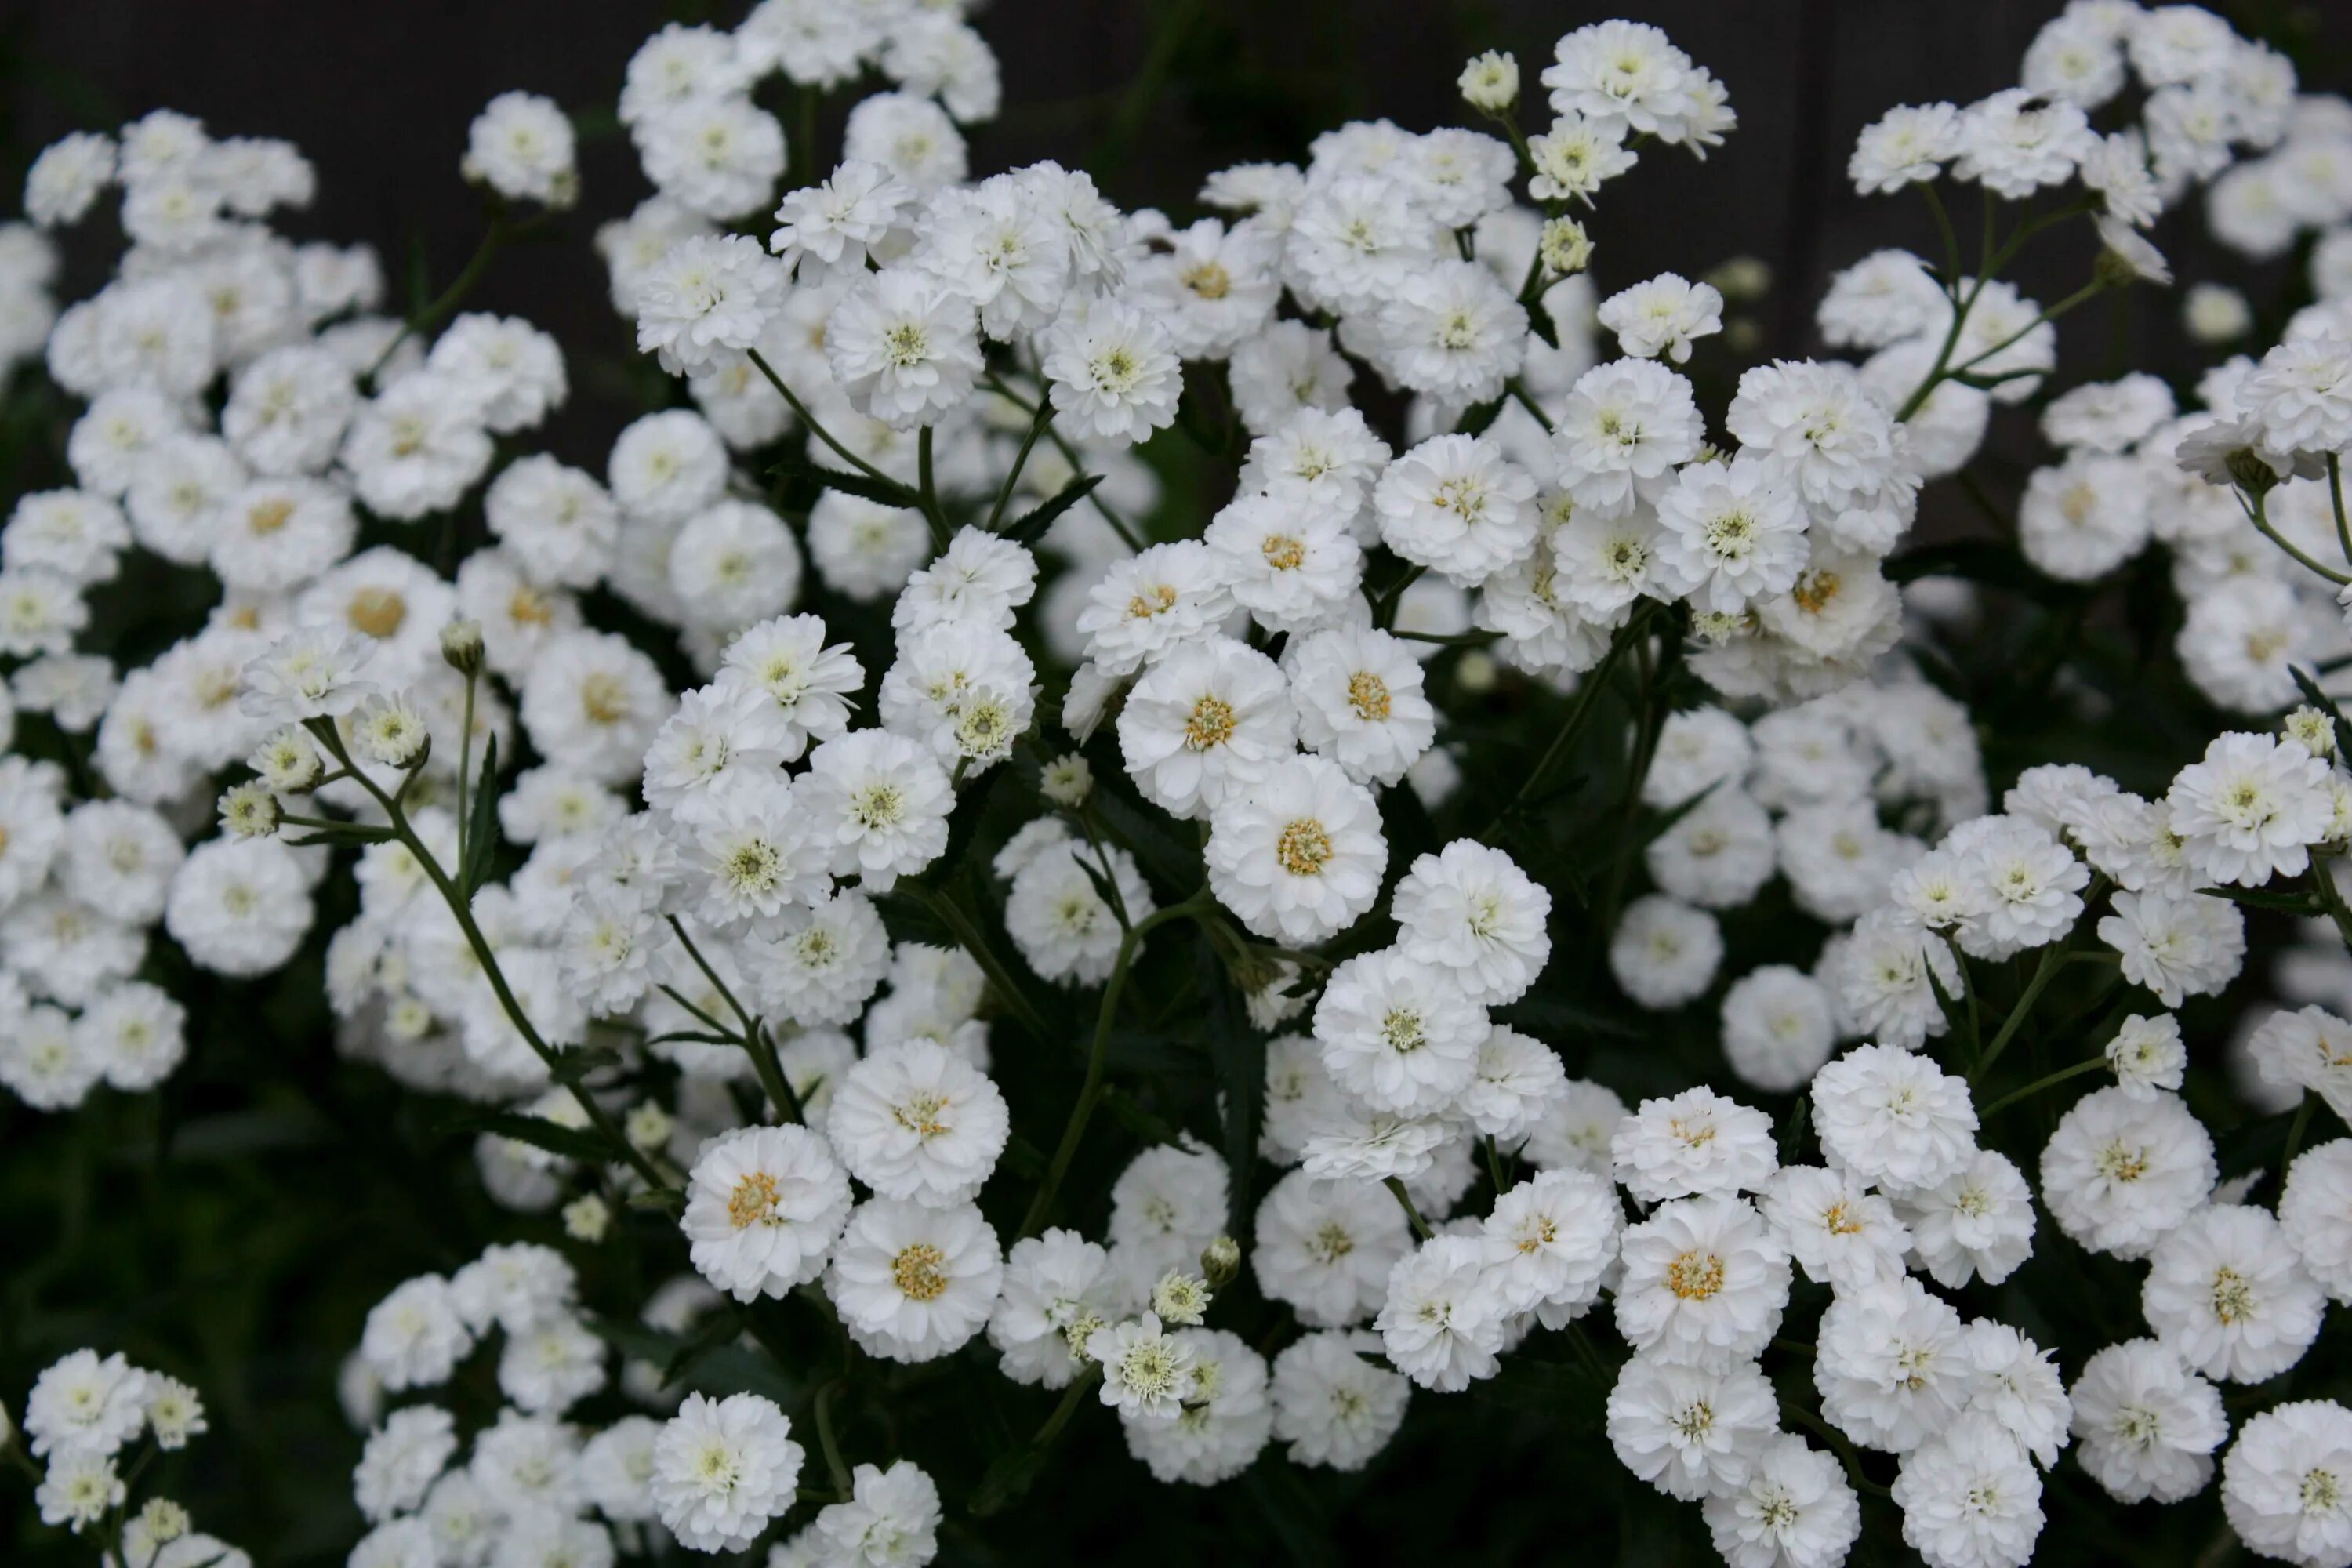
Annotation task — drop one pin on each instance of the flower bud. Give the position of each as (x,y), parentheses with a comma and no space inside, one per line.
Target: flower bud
(1565,249)
(461,646)
(648,1127)
(1068,780)
(1220,1260)
(249,810)
(1490,82)
(587,1218)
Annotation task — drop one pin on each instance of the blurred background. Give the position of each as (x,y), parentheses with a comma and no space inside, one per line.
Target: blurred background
(297,1191)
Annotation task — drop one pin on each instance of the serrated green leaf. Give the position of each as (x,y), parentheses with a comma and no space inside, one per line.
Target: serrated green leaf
(482,832)
(570,1143)
(2299,903)
(1031,526)
(848,482)
(344,836)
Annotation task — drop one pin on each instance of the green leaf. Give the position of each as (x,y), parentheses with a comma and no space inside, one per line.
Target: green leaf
(344,836)
(1031,526)
(1480,416)
(1238,1053)
(482,832)
(2297,903)
(848,482)
(571,1142)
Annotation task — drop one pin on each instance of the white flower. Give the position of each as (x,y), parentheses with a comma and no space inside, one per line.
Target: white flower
(1555,1236)
(1794,1510)
(1664,952)
(1779,1023)
(1662,316)
(1691,1432)
(1894,1366)
(1225,1419)
(722,1470)
(1209,720)
(1894,1119)
(891,1520)
(1147,1372)
(79,1486)
(1324,1249)
(1399,1035)
(414,1337)
(764,1207)
(1623,427)
(880,803)
(1112,372)
(402,1459)
(1058,1290)
(1300,857)
(1451,331)
(1331,1405)
(2250,809)
(1704,1282)
(1456,505)
(2227,1293)
(81,1402)
(916,1121)
(1359,695)
(709,295)
(1471,911)
(1289,556)
(2145,1425)
(1150,602)
(313,673)
(1970,1497)
(1442,1325)
(1696,1142)
(904,348)
(2120,1172)
(828,229)
(912,1283)
(521,146)
(1839,1233)
(1979,1221)
(2315,1214)
(2147,1054)
(2017,1385)
(2286,1485)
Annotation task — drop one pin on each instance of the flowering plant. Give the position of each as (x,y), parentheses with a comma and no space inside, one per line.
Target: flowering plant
(1494,930)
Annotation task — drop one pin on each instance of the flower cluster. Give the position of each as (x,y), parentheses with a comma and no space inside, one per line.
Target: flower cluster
(891,750)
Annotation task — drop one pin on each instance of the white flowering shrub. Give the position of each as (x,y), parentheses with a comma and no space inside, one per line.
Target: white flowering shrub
(1547,919)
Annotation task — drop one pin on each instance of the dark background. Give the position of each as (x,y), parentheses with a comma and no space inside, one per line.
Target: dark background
(234,1227)
(1150,95)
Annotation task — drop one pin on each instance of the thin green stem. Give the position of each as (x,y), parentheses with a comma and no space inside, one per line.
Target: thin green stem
(1384,608)
(494,239)
(826,1440)
(928,491)
(2258,513)
(462,912)
(755,1038)
(1526,399)
(2054,959)
(1404,1201)
(969,938)
(1070,455)
(1074,1132)
(810,422)
(1038,423)
(1951,239)
(2094,1064)
(2335,499)
(2294,1131)
(466,769)
(2087,291)
(1579,713)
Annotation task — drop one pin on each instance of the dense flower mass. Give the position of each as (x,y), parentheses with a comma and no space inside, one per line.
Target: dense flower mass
(1517,868)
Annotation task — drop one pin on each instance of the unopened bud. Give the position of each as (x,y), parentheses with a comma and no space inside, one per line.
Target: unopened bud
(648,1127)
(1490,82)
(1742,279)
(461,646)
(1220,1260)
(587,1218)
(1068,780)
(1565,249)
(2251,472)
(163,1520)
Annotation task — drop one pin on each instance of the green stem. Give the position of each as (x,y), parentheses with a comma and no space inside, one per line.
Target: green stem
(1520,394)
(1384,608)
(466,769)
(2054,959)
(1404,1201)
(969,938)
(809,421)
(2294,1131)
(1579,713)
(494,239)
(755,1038)
(2335,499)
(2087,291)
(827,1441)
(1090,1093)
(1070,455)
(928,491)
(2258,513)
(1038,422)
(459,910)
(2094,1065)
